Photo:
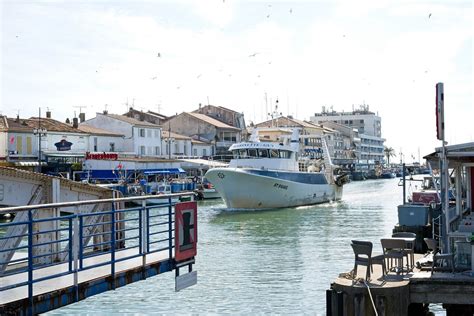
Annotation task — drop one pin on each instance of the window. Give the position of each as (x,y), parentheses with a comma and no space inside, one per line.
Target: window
(274,153)
(235,154)
(350,122)
(252,152)
(95,143)
(112,147)
(142,132)
(195,152)
(285,154)
(204,152)
(157,151)
(263,153)
(142,150)
(243,153)
(148,133)
(361,121)
(157,133)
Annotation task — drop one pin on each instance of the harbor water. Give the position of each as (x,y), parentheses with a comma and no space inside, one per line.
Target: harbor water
(276,261)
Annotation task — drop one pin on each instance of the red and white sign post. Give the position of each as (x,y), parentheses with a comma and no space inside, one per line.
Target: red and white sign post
(185,242)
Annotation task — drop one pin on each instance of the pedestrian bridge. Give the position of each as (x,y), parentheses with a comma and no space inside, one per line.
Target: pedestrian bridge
(54,254)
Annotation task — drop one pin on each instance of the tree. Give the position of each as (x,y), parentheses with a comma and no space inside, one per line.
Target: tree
(389,152)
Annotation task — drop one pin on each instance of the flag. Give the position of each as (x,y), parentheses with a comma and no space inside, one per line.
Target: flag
(12,139)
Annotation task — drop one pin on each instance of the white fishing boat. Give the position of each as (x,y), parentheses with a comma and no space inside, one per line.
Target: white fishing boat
(265,175)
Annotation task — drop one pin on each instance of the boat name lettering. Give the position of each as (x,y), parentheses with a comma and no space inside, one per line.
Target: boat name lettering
(280,186)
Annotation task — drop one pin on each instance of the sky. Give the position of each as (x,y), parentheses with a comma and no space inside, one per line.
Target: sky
(170,56)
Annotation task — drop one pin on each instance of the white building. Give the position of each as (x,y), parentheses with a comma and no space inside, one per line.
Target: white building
(24,142)
(101,140)
(140,137)
(366,122)
(368,125)
(176,145)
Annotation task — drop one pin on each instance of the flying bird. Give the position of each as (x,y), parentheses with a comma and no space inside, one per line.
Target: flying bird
(268,16)
(253,55)
(429,16)
(159,55)
(291,10)
(153,78)
(199,76)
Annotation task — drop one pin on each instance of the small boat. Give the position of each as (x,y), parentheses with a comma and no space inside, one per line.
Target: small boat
(265,175)
(152,188)
(388,174)
(206,190)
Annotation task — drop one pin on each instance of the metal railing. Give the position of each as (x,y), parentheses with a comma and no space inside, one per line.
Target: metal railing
(70,239)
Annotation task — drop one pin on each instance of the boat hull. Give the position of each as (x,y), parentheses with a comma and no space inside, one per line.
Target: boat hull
(210,194)
(241,189)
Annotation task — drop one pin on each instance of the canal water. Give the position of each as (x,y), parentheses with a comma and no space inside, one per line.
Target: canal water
(277,261)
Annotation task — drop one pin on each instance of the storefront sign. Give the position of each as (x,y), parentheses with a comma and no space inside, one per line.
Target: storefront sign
(63,145)
(101,156)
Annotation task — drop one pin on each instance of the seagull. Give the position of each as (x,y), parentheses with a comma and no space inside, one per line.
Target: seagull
(199,76)
(268,16)
(159,55)
(153,78)
(253,55)
(291,10)
(429,16)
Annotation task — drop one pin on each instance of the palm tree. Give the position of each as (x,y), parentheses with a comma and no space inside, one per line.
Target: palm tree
(389,152)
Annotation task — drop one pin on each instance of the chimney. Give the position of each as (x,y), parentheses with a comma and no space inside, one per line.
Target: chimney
(75,123)
(68,121)
(17,118)
(105,112)
(199,105)
(48,114)
(82,117)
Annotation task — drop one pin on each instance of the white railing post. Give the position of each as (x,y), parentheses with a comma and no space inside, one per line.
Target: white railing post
(75,254)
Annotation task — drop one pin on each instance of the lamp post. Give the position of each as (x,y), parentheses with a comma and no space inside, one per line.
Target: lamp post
(40,132)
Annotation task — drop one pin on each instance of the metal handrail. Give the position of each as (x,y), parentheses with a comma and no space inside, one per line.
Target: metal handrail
(8,210)
(80,236)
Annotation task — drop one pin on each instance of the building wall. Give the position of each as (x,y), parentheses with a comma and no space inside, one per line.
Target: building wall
(80,142)
(115,126)
(134,141)
(369,124)
(187,125)
(201,150)
(103,143)
(149,139)
(227,116)
(24,145)
(179,147)
(3,145)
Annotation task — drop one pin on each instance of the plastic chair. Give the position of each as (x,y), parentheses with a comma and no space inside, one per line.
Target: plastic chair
(448,258)
(409,247)
(393,250)
(363,257)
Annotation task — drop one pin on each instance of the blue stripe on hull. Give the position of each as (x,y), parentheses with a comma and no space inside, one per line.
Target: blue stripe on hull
(301,177)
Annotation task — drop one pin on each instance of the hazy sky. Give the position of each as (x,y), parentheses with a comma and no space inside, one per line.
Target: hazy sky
(169,56)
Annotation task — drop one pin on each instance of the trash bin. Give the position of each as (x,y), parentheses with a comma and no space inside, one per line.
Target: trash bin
(413,215)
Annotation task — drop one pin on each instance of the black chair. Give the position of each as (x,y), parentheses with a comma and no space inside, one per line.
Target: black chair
(409,250)
(447,258)
(393,250)
(363,257)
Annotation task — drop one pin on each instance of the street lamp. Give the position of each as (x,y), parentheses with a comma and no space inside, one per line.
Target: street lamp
(40,131)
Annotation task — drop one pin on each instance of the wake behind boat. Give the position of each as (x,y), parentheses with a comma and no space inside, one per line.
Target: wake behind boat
(265,175)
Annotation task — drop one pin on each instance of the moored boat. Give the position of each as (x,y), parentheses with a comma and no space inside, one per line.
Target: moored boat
(265,175)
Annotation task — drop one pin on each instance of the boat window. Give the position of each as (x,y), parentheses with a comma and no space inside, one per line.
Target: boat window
(252,152)
(263,153)
(274,153)
(235,154)
(243,153)
(285,154)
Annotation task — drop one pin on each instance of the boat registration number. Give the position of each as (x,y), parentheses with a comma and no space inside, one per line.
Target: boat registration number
(280,186)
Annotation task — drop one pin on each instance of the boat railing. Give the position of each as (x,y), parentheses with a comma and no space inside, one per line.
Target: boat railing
(43,238)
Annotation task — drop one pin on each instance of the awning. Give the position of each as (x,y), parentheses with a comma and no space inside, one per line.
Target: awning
(164,171)
(29,163)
